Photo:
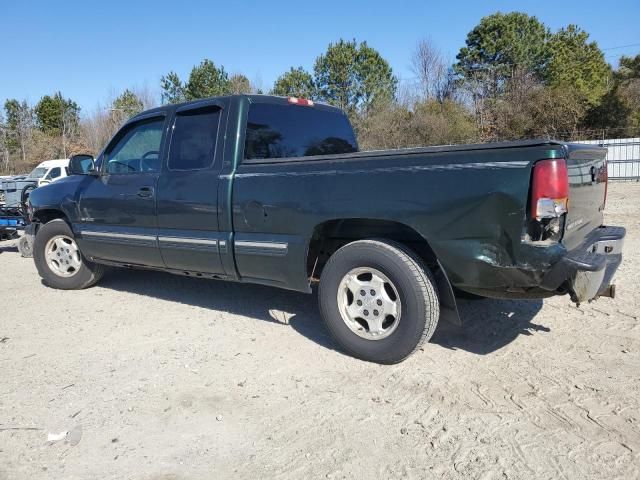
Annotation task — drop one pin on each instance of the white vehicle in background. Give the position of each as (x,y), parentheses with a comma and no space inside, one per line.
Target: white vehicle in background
(49,171)
(14,190)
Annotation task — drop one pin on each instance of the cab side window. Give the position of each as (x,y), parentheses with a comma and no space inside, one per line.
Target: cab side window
(136,148)
(284,131)
(55,172)
(193,141)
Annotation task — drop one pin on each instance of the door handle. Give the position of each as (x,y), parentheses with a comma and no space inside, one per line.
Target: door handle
(145,192)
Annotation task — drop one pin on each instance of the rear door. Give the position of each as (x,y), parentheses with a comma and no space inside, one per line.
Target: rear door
(188,232)
(587,170)
(118,207)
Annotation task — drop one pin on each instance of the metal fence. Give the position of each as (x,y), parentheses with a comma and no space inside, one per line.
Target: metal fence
(623,157)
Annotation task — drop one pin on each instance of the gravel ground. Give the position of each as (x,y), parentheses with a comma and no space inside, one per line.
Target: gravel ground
(163,377)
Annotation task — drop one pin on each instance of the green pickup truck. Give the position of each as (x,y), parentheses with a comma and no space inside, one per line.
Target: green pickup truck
(273,190)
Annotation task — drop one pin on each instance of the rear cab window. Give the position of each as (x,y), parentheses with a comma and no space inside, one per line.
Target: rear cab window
(292,131)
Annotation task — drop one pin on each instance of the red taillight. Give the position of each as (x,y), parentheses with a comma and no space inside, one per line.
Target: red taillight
(301,101)
(549,188)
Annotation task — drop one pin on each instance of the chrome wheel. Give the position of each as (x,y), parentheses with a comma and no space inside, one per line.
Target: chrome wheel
(62,256)
(369,303)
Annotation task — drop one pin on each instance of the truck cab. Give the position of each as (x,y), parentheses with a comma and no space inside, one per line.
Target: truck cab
(49,171)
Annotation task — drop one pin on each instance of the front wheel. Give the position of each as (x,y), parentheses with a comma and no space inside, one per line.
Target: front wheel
(378,300)
(59,260)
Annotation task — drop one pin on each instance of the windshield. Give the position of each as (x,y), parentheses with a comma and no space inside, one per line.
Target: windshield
(38,172)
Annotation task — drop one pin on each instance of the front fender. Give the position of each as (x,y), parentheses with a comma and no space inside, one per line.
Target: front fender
(58,196)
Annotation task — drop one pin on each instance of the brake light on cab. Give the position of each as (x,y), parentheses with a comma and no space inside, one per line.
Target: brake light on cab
(301,101)
(549,189)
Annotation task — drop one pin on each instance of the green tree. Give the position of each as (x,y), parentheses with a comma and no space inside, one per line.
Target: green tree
(127,104)
(297,82)
(353,76)
(619,109)
(207,80)
(173,90)
(56,115)
(575,62)
(501,43)
(628,78)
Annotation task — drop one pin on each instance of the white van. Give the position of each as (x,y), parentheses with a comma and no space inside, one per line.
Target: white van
(49,171)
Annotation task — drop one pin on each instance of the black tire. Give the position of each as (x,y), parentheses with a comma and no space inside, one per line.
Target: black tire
(416,290)
(24,247)
(88,274)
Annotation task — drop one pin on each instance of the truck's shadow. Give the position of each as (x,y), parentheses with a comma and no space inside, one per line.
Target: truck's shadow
(8,248)
(488,324)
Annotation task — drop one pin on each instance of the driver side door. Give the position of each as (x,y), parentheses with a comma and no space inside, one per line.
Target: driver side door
(118,219)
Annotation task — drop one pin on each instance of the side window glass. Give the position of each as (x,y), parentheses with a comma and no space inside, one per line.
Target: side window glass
(282,131)
(193,140)
(136,149)
(54,173)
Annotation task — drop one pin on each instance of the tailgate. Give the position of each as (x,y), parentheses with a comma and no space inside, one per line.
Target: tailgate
(587,169)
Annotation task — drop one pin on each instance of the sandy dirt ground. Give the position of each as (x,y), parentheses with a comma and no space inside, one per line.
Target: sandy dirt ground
(163,377)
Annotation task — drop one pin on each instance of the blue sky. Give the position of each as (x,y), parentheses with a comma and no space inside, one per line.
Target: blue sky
(88,50)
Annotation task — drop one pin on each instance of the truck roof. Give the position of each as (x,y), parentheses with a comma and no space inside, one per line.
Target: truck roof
(58,162)
(254,98)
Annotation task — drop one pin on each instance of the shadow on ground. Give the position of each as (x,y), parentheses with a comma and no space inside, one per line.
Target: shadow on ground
(8,247)
(268,304)
(488,324)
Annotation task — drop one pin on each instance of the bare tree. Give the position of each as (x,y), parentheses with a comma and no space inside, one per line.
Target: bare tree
(4,145)
(435,77)
(97,128)
(22,129)
(69,124)
(148,96)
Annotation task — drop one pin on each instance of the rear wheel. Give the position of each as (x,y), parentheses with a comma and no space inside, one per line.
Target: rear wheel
(378,300)
(59,260)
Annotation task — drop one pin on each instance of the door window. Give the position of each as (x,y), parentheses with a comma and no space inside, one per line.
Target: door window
(55,172)
(136,148)
(193,141)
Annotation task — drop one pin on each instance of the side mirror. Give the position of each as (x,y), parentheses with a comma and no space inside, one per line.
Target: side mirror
(82,164)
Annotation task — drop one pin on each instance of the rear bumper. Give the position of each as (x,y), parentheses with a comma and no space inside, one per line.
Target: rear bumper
(586,272)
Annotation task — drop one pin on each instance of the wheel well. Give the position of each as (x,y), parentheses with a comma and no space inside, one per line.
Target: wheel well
(46,215)
(334,234)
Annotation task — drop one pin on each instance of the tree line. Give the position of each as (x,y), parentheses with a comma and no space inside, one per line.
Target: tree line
(514,78)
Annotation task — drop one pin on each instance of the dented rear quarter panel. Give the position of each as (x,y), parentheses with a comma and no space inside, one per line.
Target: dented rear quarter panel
(469,203)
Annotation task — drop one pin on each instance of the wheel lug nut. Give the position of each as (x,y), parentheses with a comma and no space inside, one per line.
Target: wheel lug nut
(379,302)
(359,302)
(375,313)
(366,312)
(363,293)
(372,292)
